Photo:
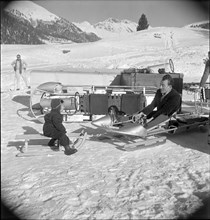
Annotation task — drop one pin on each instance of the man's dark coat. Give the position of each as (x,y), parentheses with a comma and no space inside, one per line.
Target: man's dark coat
(165,105)
(53,126)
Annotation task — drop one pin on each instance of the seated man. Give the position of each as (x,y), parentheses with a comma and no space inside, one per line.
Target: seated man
(167,101)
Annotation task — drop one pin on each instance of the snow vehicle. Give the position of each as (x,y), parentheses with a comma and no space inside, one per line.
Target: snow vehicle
(140,133)
(91,92)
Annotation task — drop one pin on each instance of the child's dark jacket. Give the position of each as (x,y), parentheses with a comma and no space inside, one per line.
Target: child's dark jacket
(53,126)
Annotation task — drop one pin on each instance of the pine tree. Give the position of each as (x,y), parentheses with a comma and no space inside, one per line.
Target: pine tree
(143,23)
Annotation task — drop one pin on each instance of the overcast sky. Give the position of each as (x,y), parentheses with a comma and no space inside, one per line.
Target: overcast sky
(174,13)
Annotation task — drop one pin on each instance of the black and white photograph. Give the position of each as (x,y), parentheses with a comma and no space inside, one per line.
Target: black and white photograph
(105,109)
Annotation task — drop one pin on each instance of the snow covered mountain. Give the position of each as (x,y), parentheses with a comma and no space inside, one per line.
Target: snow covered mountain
(30,11)
(24,22)
(109,27)
(201,24)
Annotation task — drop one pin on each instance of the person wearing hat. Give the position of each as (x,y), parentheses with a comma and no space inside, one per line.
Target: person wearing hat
(54,128)
(19,66)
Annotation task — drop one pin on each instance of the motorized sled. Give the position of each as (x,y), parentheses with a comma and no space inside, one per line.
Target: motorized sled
(143,133)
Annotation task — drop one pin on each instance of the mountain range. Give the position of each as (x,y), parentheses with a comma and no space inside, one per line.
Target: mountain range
(108,28)
(25,22)
(203,25)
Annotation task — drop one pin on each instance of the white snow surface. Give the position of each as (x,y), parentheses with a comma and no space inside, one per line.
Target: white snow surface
(187,48)
(167,181)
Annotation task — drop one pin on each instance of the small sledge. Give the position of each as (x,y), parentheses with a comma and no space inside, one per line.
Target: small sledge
(44,150)
(140,134)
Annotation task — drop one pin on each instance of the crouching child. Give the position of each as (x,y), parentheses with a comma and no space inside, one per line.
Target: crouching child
(53,127)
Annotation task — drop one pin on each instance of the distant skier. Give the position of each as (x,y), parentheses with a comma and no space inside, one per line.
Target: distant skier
(19,66)
(172,40)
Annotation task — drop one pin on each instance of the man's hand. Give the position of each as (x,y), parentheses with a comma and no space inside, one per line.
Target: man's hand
(137,117)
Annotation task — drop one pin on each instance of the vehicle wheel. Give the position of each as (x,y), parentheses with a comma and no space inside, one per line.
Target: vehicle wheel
(171,65)
(77,106)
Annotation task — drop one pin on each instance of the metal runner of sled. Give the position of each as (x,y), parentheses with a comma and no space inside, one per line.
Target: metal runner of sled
(42,150)
(139,136)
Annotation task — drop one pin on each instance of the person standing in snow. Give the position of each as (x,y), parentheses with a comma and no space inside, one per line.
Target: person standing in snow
(19,66)
(204,78)
(206,72)
(54,128)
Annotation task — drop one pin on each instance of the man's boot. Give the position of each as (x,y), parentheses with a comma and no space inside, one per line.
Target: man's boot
(69,150)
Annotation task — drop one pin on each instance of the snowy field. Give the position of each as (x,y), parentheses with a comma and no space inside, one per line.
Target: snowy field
(187,49)
(100,181)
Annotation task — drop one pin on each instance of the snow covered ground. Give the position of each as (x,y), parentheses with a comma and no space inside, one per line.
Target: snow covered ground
(187,48)
(100,181)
